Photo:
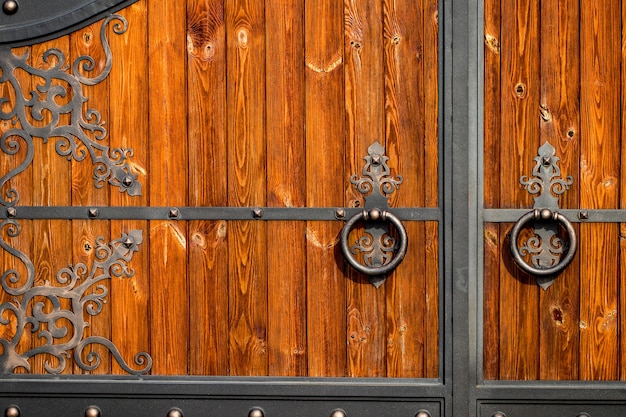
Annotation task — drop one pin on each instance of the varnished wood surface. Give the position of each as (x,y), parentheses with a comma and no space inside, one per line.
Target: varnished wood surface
(552,73)
(249,104)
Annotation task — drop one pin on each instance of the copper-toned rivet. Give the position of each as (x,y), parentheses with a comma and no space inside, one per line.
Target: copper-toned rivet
(340,213)
(10,7)
(338,413)
(174,213)
(498,414)
(93,213)
(92,411)
(256,412)
(583,215)
(11,212)
(175,412)
(422,413)
(12,411)
(257,213)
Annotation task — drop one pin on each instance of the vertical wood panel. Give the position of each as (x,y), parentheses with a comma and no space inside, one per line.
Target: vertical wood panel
(246,161)
(559,125)
(131,324)
(600,104)
(491,199)
(86,42)
(286,187)
(325,184)
(364,117)
(519,297)
(52,186)
(405,139)
(208,253)
(168,186)
(622,239)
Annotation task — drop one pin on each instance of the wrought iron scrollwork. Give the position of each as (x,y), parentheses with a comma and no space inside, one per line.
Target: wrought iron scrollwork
(549,253)
(38,114)
(59,325)
(380,250)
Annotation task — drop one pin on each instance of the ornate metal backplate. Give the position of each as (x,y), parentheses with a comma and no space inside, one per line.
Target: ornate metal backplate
(545,247)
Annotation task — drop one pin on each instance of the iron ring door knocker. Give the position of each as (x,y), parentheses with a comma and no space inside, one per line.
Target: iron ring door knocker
(543,215)
(378,267)
(549,254)
(381,251)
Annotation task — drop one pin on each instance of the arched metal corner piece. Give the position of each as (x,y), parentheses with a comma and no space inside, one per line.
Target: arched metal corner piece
(549,254)
(381,253)
(83,134)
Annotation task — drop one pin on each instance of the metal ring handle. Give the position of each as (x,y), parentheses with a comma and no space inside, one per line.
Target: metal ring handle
(374,215)
(545,214)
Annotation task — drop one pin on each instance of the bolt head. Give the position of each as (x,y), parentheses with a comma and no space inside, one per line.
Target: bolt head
(11,212)
(174,213)
(127,181)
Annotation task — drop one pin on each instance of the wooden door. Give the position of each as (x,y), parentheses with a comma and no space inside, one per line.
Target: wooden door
(175,179)
(553,77)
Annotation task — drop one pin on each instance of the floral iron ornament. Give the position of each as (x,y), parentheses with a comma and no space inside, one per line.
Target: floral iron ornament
(50,319)
(59,93)
(380,251)
(549,254)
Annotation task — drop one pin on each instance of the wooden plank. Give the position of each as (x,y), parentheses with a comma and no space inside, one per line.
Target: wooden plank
(491,184)
(325,185)
(130,326)
(364,125)
(559,125)
(600,117)
(519,297)
(286,187)
(51,173)
(23,184)
(169,289)
(246,160)
(405,139)
(622,235)
(208,249)
(86,42)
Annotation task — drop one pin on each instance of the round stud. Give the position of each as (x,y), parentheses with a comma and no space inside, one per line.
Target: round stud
(12,411)
(338,413)
(92,411)
(127,181)
(498,414)
(10,7)
(175,412)
(545,214)
(256,412)
(422,413)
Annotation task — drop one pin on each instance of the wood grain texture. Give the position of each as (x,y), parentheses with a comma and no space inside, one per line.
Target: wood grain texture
(364,125)
(168,159)
(245,34)
(286,187)
(325,118)
(208,250)
(559,124)
(519,296)
(599,171)
(129,297)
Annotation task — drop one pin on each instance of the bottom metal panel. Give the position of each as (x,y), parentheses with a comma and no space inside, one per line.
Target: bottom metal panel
(234,407)
(538,409)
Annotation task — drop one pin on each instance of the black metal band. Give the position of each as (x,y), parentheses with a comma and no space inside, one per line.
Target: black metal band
(208,213)
(573,215)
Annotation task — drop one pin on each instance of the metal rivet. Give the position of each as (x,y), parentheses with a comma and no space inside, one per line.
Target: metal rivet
(376,160)
(422,413)
(174,213)
(175,412)
(545,214)
(375,214)
(257,213)
(338,413)
(12,411)
(498,414)
(93,213)
(546,161)
(10,7)
(128,242)
(11,212)
(340,213)
(127,181)
(92,411)
(583,215)
(256,412)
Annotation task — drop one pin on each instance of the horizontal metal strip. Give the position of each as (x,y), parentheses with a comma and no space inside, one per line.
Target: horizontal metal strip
(573,215)
(208,213)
